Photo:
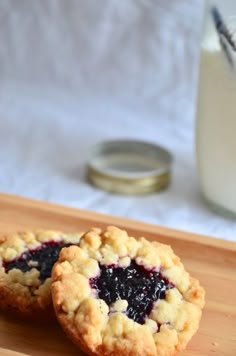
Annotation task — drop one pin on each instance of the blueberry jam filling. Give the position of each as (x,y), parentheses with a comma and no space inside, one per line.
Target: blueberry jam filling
(42,258)
(139,286)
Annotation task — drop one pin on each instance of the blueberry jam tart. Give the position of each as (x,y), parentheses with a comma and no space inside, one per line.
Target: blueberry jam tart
(26,261)
(114,294)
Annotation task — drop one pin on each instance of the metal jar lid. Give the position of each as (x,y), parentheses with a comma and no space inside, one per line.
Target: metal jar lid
(129,167)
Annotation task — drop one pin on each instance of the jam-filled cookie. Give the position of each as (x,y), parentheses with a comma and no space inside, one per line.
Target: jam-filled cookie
(26,261)
(117,295)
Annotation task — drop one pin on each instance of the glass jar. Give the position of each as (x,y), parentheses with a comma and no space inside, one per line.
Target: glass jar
(216,107)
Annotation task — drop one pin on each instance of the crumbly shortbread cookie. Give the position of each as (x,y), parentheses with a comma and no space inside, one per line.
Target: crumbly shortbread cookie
(117,295)
(26,261)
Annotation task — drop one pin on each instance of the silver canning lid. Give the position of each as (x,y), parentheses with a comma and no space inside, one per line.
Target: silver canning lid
(129,167)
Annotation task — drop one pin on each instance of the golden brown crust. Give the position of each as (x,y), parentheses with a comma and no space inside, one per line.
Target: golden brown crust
(23,293)
(100,329)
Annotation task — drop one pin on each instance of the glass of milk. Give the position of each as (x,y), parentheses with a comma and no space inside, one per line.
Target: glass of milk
(216,107)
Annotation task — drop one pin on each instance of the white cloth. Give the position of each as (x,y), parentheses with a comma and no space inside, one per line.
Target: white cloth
(77,72)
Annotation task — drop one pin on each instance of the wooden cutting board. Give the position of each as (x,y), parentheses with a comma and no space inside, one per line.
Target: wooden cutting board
(212,261)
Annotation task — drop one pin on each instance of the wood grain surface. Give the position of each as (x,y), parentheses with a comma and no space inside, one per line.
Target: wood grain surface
(212,261)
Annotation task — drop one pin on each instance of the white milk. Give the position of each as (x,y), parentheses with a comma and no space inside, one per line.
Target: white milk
(216,124)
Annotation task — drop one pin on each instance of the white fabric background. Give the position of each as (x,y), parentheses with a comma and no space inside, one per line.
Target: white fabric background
(76,72)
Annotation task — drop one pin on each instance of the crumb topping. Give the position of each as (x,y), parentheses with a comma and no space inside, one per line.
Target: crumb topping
(106,325)
(26,260)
